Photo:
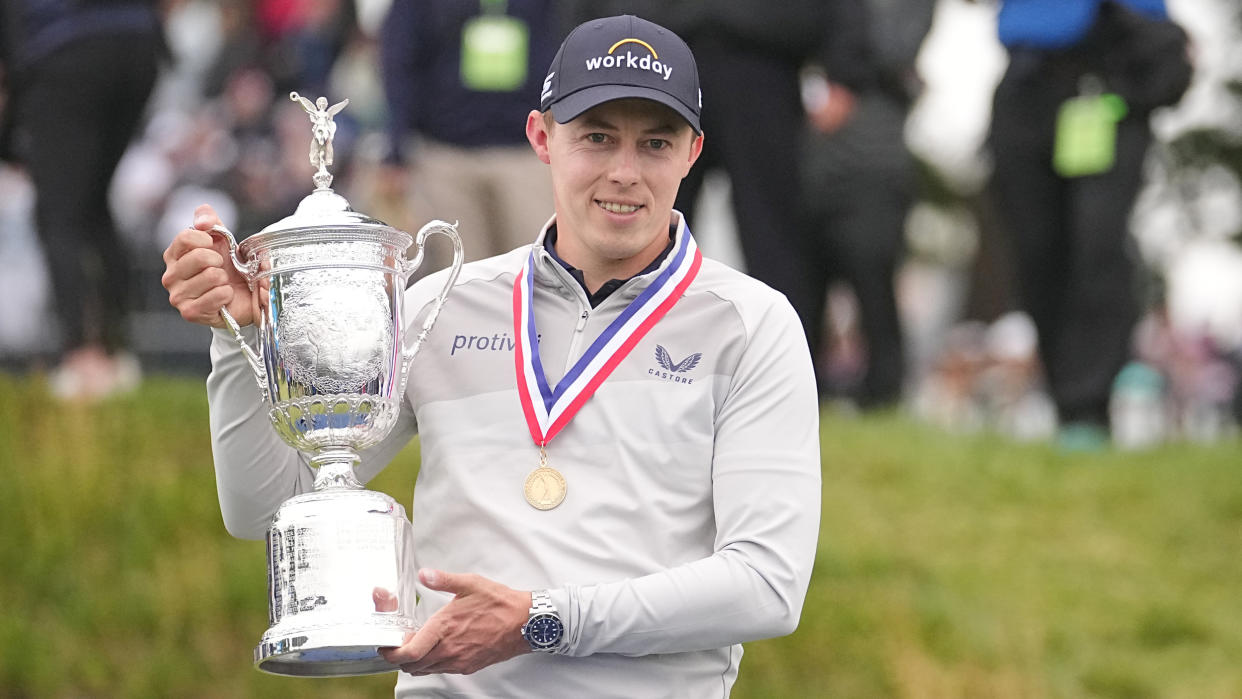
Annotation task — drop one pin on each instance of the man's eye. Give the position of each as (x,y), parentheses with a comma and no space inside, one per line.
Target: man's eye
(596,137)
(657,144)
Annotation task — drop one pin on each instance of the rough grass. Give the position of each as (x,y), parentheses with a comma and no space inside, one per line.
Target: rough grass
(948,566)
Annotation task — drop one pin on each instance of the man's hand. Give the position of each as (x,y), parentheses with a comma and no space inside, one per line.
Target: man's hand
(200,277)
(830,114)
(481,626)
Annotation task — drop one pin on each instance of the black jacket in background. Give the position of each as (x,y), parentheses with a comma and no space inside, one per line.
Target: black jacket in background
(791,29)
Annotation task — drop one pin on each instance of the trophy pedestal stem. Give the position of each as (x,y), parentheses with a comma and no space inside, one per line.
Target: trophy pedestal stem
(335,469)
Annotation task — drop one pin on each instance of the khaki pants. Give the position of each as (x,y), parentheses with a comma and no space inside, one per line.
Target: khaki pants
(500,195)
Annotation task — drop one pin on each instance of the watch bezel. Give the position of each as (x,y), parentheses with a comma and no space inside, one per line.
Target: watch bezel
(529,628)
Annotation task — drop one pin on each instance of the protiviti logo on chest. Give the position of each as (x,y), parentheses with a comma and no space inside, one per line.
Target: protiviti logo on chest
(642,61)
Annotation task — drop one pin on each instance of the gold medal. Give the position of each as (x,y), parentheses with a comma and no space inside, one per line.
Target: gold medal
(545,486)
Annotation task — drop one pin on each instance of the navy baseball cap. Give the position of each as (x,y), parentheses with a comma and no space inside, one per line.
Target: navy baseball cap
(618,57)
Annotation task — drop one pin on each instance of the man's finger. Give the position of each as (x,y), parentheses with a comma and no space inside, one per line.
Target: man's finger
(455,583)
(384,600)
(205,309)
(415,649)
(205,217)
(209,279)
(191,266)
(185,241)
(421,669)
(199,295)
(199,259)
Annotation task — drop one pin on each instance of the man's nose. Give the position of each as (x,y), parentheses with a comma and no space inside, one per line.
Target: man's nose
(623,169)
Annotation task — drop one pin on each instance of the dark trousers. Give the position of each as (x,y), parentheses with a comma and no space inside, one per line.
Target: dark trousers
(1070,237)
(76,113)
(856,234)
(858,184)
(752,119)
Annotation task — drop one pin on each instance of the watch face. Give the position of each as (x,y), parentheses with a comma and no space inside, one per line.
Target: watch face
(544,630)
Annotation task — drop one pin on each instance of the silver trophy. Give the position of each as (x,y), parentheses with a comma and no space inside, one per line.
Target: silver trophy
(332,365)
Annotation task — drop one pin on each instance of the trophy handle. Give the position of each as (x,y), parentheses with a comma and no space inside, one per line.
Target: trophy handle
(408,268)
(247,271)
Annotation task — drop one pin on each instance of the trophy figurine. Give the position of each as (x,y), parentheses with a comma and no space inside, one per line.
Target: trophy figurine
(332,363)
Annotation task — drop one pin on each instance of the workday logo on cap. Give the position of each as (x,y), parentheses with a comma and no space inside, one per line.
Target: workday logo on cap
(628,60)
(622,57)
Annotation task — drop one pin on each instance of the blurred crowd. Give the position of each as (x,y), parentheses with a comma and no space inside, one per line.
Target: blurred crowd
(905,272)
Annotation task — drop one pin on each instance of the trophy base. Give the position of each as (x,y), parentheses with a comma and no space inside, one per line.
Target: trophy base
(329,652)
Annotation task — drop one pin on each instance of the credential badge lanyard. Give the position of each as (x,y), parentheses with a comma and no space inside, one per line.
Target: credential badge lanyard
(548,410)
(495,49)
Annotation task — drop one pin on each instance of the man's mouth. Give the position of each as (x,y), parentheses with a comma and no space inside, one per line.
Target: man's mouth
(615,208)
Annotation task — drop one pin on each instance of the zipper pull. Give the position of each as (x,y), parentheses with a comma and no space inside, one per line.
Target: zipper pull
(582,319)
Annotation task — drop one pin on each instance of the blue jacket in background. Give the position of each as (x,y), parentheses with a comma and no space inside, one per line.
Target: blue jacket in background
(32,30)
(420,53)
(1054,24)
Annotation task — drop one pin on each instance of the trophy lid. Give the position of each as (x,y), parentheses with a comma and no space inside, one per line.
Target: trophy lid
(322,208)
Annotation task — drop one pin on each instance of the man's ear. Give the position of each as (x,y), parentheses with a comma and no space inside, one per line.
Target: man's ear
(696,149)
(537,134)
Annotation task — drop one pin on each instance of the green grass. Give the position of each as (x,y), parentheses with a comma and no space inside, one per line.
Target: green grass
(948,566)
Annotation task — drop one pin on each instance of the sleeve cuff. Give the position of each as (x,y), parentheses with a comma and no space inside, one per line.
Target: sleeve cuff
(565,601)
(222,338)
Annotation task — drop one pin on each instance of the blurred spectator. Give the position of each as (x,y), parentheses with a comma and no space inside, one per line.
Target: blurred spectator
(1010,384)
(461,77)
(270,171)
(1069,135)
(859,182)
(295,42)
(240,44)
(1196,380)
(312,43)
(78,78)
(269,49)
(986,376)
(949,395)
(750,54)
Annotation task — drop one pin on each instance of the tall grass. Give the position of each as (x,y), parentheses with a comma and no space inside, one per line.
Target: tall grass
(948,566)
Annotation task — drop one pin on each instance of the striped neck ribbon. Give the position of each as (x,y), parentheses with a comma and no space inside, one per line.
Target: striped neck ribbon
(548,409)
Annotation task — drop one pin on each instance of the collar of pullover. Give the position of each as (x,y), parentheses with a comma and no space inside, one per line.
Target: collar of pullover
(545,251)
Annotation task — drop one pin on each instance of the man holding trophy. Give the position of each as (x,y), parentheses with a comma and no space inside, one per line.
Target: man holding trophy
(620,451)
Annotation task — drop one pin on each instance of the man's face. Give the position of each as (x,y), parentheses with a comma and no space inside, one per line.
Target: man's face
(615,174)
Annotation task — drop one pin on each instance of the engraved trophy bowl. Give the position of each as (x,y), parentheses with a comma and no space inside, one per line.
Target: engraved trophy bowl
(332,364)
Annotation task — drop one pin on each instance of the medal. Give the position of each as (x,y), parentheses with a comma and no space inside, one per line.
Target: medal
(547,410)
(545,486)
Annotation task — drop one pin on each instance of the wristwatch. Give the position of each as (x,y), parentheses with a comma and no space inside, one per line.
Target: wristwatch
(543,630)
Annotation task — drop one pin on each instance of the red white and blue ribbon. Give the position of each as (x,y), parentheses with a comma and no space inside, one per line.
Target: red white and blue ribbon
(548,409)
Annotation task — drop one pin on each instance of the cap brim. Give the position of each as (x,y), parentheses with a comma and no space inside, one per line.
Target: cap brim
(572,106)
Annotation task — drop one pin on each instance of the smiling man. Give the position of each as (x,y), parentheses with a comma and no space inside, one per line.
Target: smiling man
(620,483)
(615,176)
